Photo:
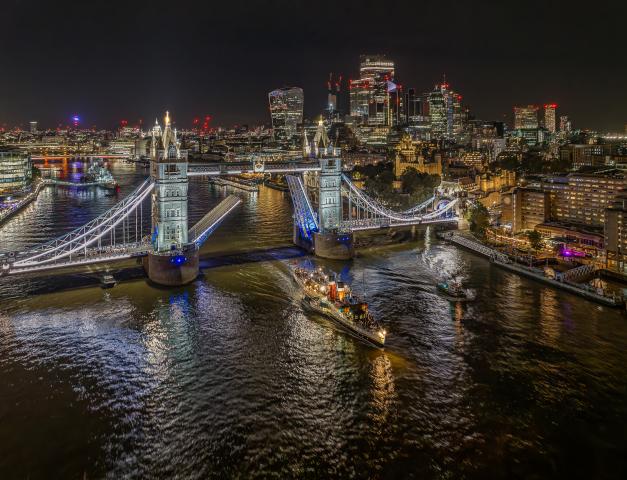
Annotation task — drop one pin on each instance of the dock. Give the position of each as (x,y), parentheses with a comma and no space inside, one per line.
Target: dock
(501,260)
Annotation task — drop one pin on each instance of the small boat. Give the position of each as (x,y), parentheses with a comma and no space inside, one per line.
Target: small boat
(454,291)
(107,281)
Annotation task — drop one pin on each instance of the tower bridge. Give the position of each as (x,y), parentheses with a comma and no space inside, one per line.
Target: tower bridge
(169,250)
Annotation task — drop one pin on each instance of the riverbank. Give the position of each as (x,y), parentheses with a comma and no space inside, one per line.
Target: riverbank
(502,261)
(9,212)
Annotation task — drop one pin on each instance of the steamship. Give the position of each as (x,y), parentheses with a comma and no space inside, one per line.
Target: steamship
(335,300)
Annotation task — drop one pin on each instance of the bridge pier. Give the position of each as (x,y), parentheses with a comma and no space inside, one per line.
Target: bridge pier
(300,240)
(335,246)
(174,268)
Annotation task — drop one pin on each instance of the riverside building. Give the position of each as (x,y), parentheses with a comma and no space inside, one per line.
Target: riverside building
(16,170)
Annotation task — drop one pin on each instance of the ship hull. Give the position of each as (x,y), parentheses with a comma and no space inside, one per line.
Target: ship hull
(312,304)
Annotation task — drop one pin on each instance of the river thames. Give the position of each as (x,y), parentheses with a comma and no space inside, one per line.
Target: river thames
(230,377)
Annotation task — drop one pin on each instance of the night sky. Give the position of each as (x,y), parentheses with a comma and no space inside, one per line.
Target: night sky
(109,60)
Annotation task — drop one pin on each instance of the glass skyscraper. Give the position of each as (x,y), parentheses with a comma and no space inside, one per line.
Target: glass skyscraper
(526,117)
(286,111)
(445,113)
(369,96)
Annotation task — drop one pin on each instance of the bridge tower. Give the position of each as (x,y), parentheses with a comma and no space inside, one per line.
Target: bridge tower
(173,261)
(330,241)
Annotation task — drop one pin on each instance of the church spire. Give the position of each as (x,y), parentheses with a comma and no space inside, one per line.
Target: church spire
(306,146)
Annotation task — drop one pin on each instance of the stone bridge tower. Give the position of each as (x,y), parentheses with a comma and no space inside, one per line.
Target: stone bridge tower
(168,170)
(173,261)
(330,241)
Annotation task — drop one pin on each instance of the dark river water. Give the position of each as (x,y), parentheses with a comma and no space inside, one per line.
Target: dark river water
(229,377)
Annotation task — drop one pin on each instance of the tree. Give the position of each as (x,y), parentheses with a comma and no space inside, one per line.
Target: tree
(479,219)
(414,182)
(410,180)
(381,186)
(535,239)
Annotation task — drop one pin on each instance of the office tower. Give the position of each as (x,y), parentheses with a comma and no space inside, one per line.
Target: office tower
(286,111)
(457,115)
(549,117)
(33,127)
(412,107)
(445,112)
(369,95)
(565,125)
(359,99)
(437,113)
(396,103)
(333,89)
(526,117)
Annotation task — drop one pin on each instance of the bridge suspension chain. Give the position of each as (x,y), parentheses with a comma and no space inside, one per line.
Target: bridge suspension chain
(373,210)
(78,240)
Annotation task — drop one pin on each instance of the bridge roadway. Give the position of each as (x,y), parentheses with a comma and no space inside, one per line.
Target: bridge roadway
(85,257)
(77,156)
(237,168)
(96,254)
(376,223)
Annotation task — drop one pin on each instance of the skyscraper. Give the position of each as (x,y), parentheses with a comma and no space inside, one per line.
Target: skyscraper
(33,127)
(549,117)
(445,112)
(333,88)
(565,125)
(359,99)
(369,95)
(286,111)
(413,107)
(526,117)
(437,113)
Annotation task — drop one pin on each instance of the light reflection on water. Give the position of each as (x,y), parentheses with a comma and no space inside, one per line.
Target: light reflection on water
(230,377)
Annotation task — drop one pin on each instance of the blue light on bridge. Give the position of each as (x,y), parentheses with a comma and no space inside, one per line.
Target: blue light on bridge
(178,259)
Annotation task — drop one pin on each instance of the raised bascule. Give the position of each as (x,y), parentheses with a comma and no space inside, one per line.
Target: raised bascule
(169,250)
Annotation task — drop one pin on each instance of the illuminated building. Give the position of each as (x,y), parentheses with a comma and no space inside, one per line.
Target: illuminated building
(580,198)
(33,127)
(286,111)
(437,114)
(369,95)
(445,112)
(333,88)
(531,207)
(549,117)
(168,168)
(16,170)
(615,230)
(413,108)
(359,99)
(585,155)
(565,125)
(526,117)
(497,181)
(473,159)
(405,156)
(531,136)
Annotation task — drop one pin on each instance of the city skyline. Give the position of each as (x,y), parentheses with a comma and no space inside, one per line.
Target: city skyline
(222,61)
(313,239)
